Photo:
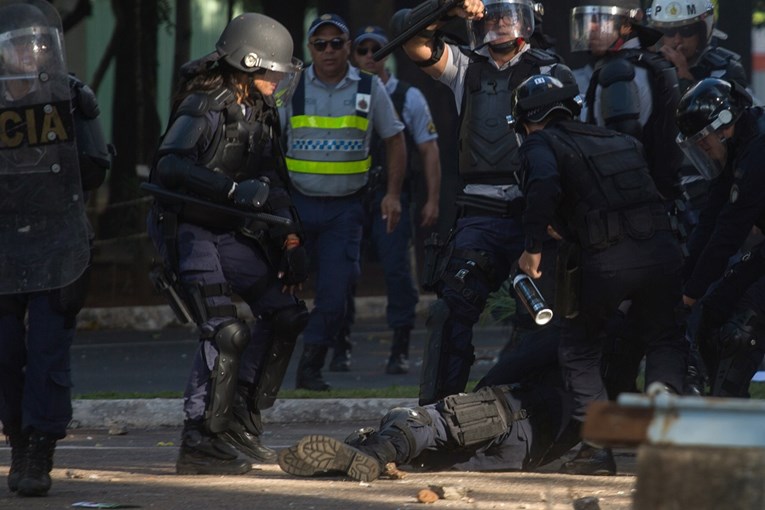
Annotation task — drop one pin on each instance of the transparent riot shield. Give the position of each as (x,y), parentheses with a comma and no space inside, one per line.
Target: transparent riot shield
(44,235)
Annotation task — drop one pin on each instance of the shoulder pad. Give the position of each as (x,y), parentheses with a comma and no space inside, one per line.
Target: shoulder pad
(199,103)
(83,98)
(616,70)
(573,126)
(541,56)
(718,58)
(563,73)
(183,134)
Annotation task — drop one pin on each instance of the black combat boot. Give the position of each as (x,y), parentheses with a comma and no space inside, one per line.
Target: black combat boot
(203,453)
(309,369)
(341,357)
(245,429)
(364,462)
(590,460)
(38,462)
(19,442)
(398,363)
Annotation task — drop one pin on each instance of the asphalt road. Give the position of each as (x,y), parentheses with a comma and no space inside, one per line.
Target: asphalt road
(145,362)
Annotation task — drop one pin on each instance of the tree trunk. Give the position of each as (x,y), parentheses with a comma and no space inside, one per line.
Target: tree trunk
(135,121)
(735,19)
(182,52)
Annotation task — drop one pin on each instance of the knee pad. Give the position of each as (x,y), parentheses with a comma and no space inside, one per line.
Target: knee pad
(231,337)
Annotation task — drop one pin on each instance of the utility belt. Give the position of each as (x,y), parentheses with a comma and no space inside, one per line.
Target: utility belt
(601,230)
(477,205)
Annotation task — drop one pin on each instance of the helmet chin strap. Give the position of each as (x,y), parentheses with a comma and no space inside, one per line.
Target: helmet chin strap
(506,47)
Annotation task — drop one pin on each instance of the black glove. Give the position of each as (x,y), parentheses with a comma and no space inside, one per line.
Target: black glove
(737,334)
(249,194)
(294,265)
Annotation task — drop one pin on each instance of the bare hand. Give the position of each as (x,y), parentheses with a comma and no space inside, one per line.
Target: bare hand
(429,214)
(391,211)
(676,57)
(529,264)
(553,233)
(688,301)
(470,9)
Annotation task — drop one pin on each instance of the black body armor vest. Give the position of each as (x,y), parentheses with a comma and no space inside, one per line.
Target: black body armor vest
(608,191)
(488,148)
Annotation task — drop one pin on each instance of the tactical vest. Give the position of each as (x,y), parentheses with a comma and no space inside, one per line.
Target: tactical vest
(331,145)
(488,148)
(660,130)
(717,62)
(607,190)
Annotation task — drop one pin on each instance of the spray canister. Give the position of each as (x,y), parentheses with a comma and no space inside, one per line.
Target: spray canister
(532,299)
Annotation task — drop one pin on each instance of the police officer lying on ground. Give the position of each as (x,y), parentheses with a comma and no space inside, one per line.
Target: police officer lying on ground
(497,428)
(591,186)
(724,137)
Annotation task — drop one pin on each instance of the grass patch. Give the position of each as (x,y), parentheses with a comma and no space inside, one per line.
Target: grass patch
(757,389)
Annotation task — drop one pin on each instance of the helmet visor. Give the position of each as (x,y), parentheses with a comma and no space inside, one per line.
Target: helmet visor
(288,83)
(596,28)
(29,53)
(700,150)
(501,23)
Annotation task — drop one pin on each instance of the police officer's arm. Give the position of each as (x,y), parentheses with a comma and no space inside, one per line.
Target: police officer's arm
(388,126)
(431,167)
(420,124)
(732,226)
(428,51)
(542,190)
(390,206)
(94,154)
(177,166)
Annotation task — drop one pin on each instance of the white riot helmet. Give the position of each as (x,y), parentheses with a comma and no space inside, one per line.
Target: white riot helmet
(695,16)
(504,22)
(596,24)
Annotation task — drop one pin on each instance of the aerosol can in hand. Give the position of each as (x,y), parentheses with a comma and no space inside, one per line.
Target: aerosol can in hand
(532,299)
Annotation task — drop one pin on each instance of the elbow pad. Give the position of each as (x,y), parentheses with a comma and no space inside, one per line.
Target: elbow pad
(177,172)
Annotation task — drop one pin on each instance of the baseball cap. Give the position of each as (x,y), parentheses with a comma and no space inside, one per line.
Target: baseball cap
(332,19)
(372,32)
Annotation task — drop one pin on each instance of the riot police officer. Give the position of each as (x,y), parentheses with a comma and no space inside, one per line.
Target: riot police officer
(220,157)
(497,428)
(53,154)
(722,134)
(591,186)
(487,237)
(631,89)
(692,43)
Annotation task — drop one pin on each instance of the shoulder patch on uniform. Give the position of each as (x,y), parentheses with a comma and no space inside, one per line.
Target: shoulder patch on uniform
(431,128)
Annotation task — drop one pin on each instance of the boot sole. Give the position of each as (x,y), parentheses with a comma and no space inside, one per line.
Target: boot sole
(329,454)
(291,463)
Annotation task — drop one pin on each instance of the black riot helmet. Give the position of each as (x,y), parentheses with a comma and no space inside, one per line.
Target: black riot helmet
(705,109)
(540,95)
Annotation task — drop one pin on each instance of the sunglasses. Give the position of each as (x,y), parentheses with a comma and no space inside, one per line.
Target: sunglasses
(336,44)
(363,51)
(685,31)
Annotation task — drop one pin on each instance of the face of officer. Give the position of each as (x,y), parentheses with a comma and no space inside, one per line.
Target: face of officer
(715,147)
(267,82)
(362,57)
(684,39)
(605,29)
(330,49)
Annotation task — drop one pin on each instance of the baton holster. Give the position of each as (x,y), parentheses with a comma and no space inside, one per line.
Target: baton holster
(568,279)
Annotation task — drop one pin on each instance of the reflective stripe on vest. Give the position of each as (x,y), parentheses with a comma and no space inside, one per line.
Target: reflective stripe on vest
(329,145)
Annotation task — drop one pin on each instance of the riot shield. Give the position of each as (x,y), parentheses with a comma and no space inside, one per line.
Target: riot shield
(44,234)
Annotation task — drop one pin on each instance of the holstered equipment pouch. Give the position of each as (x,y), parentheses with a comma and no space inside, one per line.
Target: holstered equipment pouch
(568,279)
(474,418)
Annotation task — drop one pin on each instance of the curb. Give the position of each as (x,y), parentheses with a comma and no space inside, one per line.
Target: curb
(156,317)
(167,412)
